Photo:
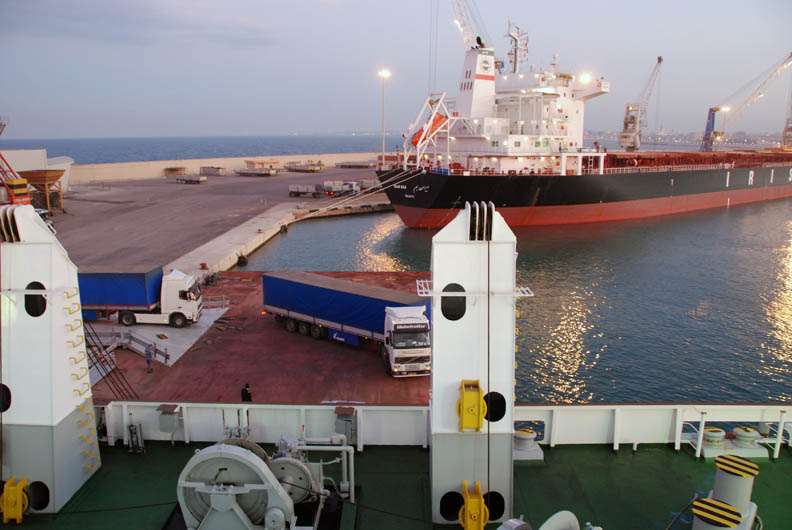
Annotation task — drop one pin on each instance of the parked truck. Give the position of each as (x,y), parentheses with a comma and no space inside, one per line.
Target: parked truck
(298,190)
(339,188)
(140,296)
(354,313)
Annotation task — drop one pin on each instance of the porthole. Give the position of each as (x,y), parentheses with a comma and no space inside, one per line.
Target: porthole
(450,503)
(35,304)
(496,406)
(39,495)
(453,307)
(5,398)
(495,504)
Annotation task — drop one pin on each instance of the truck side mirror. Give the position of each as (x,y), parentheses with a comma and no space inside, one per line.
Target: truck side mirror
(387,339)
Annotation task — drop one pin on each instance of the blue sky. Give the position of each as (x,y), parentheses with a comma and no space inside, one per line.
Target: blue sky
(101,68)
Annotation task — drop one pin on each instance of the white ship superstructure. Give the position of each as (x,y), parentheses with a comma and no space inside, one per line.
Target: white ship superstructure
(504,120)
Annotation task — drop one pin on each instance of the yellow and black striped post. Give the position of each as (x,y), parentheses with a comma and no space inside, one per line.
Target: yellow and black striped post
(18,191)
(710,514)
(734,481)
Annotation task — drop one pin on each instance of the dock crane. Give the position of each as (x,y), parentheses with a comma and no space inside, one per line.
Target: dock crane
(786,136)
(711,135)
(635,115)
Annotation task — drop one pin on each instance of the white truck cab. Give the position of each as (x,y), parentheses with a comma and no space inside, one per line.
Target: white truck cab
(407,350)
(180,302)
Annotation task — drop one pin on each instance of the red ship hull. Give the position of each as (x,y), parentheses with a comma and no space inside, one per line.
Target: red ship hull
(416,217)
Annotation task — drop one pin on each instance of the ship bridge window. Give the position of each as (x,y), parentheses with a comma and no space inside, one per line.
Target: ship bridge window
(516,144)
(35,304)
(495,143)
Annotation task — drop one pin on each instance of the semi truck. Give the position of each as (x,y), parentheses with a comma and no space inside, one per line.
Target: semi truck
(353,313)
(144,296)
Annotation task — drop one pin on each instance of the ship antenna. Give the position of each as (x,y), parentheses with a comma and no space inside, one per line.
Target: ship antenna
(518,52)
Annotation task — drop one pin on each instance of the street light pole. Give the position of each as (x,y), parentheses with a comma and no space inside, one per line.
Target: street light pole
(384,74)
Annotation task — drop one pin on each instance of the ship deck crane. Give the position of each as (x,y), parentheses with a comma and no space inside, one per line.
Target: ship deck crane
(469,22)
(636,113)
(711,135)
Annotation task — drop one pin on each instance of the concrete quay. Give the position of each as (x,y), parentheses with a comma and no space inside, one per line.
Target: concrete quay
(158,221)
(84,173)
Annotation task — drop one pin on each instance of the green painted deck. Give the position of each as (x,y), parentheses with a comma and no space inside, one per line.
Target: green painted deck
(616,490)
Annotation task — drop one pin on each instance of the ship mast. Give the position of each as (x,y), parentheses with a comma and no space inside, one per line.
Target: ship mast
(519,47)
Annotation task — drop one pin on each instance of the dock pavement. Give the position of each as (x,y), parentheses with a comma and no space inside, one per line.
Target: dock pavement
(122,225)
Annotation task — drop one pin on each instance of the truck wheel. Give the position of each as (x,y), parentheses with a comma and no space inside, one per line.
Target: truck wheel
(303,328)
(292,194)
(316,195)
(177,320)
(291,325)
(125,318)
(316,332)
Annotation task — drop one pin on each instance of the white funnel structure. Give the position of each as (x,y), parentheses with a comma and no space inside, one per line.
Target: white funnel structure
(49,432)
(473,336)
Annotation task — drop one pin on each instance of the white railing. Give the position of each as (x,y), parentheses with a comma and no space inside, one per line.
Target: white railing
(206,422)
(643,423)
(659,169)
(611,424)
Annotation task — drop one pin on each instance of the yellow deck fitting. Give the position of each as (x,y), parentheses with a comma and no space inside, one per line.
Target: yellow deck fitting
(471,407)
(14,501)
(474,514)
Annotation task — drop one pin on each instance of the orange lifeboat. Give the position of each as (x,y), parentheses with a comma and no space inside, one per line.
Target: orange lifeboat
(437,122)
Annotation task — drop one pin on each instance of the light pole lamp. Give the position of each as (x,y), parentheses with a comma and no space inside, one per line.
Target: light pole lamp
(384,74)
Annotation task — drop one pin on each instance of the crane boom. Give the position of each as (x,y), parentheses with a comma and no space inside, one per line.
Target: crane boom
(710,134)
(786,136)
(463,22)
(635,114)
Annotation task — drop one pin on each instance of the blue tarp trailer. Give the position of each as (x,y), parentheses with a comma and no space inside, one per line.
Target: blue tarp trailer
(138,290)
(350,307)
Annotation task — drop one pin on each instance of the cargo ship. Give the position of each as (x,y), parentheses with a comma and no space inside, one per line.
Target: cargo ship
(515,139)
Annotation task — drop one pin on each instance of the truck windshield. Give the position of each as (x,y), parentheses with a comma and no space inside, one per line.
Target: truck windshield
(410,339)
(193,293)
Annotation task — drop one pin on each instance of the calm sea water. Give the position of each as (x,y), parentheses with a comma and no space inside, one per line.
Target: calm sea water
(106,150)
(686,308)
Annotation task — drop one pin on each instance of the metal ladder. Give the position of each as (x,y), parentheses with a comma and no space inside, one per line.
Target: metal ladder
(105,364)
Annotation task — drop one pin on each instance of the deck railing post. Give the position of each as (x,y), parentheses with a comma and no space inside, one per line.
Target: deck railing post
(678,429)
(702,424)
(186,422)
(616,427)
(779,435)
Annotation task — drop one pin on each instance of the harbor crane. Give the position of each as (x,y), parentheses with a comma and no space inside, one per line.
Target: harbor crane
(635,115)
(711,135)
(786,135)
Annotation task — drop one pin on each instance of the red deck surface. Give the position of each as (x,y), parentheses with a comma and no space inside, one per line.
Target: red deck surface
(281,367)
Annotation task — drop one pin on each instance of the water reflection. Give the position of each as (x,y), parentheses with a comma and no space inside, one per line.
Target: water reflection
(776,359)
(559,359)
(369,254)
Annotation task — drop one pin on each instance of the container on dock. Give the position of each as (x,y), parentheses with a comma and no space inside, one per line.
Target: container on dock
(212,171)
(268,163)
(174,171)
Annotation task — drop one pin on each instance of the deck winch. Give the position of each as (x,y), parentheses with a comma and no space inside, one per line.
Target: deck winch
(235,485)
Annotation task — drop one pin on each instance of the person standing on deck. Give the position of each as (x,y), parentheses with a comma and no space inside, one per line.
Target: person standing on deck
(149,355)
(246,395)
